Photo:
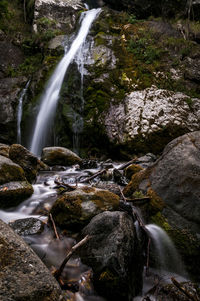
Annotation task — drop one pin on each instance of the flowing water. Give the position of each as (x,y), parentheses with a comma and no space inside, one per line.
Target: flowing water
(20,111)
(50,96)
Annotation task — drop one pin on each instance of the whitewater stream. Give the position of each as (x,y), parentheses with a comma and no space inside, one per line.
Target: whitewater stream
(53,251)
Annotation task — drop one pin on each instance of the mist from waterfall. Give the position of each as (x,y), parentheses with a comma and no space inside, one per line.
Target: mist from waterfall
(50,97)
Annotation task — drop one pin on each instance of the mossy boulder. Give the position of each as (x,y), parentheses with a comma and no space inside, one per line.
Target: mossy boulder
(13,193)
(131,170)
(10,171)
(76,208)
(4,150)
(115,255)
(25,159)
(59,156)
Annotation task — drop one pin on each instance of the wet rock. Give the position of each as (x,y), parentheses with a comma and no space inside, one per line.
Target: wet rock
(56,45)
(115,255)
(23,276)
(13,193)
(59,156)
(112,187)
(10,171)
(56,15)
(87,164)
(146,161)
(25,159)
(4,150)
(11,56)
(27,226)
(131,170)
(118,177)
(192,70)
(9,97)
(76,208)
(151,118)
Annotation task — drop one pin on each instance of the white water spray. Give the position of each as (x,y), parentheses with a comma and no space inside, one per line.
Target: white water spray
(165,251)
(19,112)
(50,97)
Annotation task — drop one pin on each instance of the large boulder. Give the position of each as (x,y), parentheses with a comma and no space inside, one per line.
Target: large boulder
(58,15)
(76,208)
(23,276)
(10,171)
(149,119)
(25,159)
(4,150)
(27,226)
(13,193)
(59,156)
(115,255)
(173,185)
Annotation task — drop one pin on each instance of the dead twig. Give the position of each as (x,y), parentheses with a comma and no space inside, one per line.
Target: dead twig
(65,185)
(59,271)
(123,166)
(54,226)
(122,194)
(184,290)
(93,176)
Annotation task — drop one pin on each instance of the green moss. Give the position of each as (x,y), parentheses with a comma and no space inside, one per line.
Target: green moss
(132,169)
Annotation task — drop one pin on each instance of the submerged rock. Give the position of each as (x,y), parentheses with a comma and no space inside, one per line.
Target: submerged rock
(23,276)
(59,156)
(25,159)
(13,193)
(10,171)
(76,208)
(115,255)
(27,226)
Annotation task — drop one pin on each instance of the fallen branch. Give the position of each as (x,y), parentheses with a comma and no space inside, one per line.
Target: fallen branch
(54,226)
(65,185)
(184,290)
(123,196)
(93,176)
(123,166)
(59,271)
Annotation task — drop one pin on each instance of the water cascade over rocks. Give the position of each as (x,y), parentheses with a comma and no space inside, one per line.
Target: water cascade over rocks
(50,96)
(20,112)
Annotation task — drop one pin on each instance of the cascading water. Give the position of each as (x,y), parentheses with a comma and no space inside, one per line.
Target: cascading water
(19,112)
(50,97)
(165,251)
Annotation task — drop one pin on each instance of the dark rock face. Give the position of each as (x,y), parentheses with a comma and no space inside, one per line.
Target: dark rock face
(23,276)
(25,159)
(9,94)
(146,8)
(115,255)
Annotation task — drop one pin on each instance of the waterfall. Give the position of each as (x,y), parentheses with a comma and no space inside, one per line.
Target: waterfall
(164,250)
(19,112)
(50,96)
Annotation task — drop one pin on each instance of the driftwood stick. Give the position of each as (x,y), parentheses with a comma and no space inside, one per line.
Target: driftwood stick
(65,185)
(123,196)
(184,290)
(136,200)
(93,176)
(54,226)
(59,271)
(123,166)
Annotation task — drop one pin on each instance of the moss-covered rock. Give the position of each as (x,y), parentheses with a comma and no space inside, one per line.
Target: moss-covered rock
(75,209)
(13,193)
(9,171)
(59,156)
(131,170)
(25,159)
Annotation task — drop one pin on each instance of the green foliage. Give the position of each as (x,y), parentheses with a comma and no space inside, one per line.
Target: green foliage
(138,195)
(132,19)
(3,8)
